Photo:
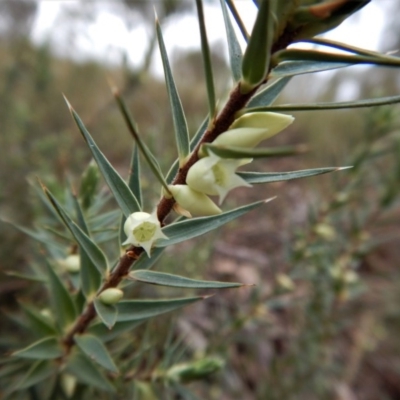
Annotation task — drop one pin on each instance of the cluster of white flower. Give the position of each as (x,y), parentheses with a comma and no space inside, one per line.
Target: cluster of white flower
(211,175)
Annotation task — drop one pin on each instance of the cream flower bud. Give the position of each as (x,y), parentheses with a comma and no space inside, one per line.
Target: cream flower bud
(215,176)
(142,230)
(71,264)
(196,203)
(251,129)
(111,296)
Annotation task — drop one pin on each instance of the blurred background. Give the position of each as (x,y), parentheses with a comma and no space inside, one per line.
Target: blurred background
(323,321)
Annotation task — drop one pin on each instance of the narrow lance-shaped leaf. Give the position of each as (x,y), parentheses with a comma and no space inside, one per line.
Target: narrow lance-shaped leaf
(205,52)
(62,302)
(40,324)
(44,349)
(268,177)
(132,310)
(235,52)
(292,68)
(269,94)
(381,101)
(96,351)
(164,279)
(256,58)
(320,56)
(39,371)
(106,312)
(134,176)
(342,46)
(86,372)
(151,160)
(120,190)
(239,152)
(92,250)
(178,116)
(191,228)
(90,278)
(105,334)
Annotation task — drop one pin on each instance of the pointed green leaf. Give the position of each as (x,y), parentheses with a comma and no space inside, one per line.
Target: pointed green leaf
(292,68)
(40,324)
(96,351)
(256,58)
(61,300)
(164,279)
(120,190)
(134,176)
(86,372)
(133,310)
(240,152)
(321,56)
(342,46)
(205,52)
(44,349)
(92,250)
(267,177)
(381,101)
(149,157)
(190,228)
(90,276)
(107,313)
(39,371)
(235,52)
(105,334)
(178,116)
(269,94)
(28,277)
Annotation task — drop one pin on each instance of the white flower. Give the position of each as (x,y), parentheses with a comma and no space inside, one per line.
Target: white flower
(251,129)
(142,230)
(196,203)
(215,176)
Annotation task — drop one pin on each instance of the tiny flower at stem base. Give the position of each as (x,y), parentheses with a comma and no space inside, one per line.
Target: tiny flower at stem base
(142,230)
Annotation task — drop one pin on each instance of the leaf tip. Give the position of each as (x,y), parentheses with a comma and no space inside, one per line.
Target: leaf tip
(68,103)
(270,199)
(343,168)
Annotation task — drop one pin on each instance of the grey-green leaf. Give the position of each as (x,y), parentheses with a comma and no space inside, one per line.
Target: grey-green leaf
(381,101)
(40,324)
(321,56)
(164,279)
(61,300)
(235,52)
(107,313)
(39,371)
(44,349)
(120,190)
(191,228)
(92,250)
(96,351)
(86,372)
(133,310)
(291,68)
(178,116)
(269,94)
(267,177)
(134,176)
